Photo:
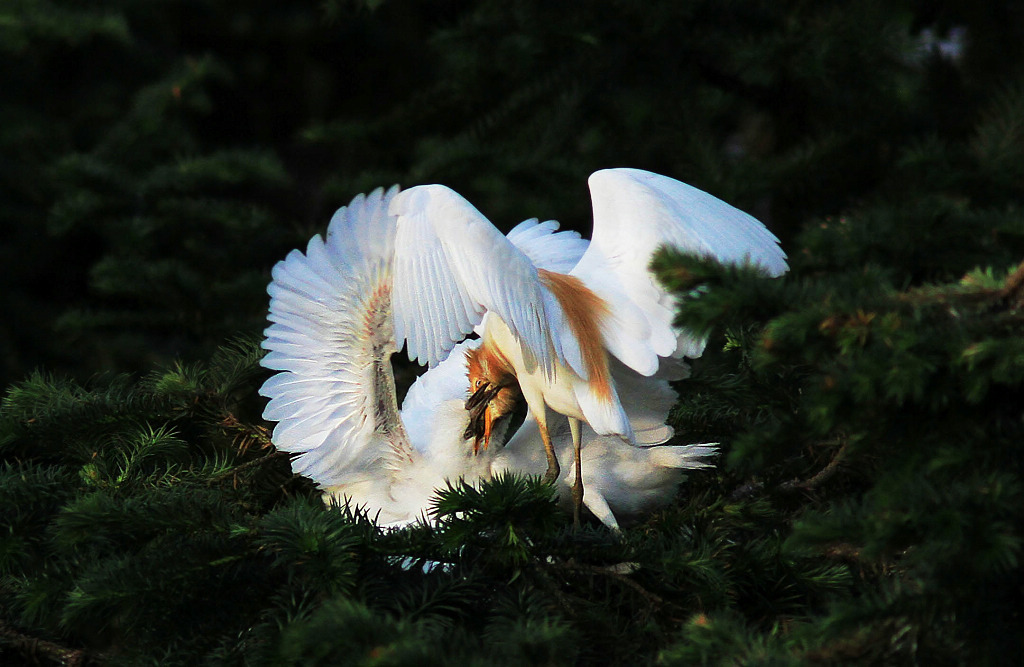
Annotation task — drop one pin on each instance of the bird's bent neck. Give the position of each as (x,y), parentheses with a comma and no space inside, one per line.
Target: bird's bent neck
(489,362)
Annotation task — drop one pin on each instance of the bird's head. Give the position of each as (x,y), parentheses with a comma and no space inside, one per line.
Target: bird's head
(493,394)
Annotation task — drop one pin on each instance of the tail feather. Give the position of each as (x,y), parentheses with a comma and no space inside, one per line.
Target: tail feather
(685,457)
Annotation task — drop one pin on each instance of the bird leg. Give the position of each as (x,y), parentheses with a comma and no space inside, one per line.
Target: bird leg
(553,470)
(577,485)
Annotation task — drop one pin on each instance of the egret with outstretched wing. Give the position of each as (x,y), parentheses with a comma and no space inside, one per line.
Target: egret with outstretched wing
(331,339)
(561,336)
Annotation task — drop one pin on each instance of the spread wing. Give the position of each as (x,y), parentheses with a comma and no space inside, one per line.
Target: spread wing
(636,212)
(331,339)
(452,265)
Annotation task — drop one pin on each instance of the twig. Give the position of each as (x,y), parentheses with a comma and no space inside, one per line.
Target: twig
(246,432)
(277,454)
(33,648)
(844,551)
(552,588)
(1013,290)
(821,477)
(652,598)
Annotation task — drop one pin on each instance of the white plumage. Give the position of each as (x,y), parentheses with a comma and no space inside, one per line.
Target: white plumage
(424,268)
(635,213)
(555,335)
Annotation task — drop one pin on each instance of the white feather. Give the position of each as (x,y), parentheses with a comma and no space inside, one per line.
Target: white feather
(635,213)
(452,265)
(330,336)
(547,247)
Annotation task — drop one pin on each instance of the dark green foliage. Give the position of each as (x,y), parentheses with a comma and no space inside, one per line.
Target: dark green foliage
(173,536)
(898,451)
(156,159)
(467,520)
(892,403)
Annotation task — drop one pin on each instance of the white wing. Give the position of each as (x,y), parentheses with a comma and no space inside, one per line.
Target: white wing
(452,265)
(547,247)
(635,213)
(331,337)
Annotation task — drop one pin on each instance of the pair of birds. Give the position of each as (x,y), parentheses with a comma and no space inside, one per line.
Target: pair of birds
(581,331)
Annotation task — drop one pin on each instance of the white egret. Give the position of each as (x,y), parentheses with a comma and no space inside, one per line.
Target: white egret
(562,336)
(331,338)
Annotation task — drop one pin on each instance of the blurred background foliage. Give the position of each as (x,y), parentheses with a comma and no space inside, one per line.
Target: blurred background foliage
(157,157)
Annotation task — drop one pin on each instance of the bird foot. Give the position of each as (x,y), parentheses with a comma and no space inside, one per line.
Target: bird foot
(577,503)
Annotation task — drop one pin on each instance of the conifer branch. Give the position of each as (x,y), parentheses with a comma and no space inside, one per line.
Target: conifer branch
(277,454)
(554,590)
(246,433)
(821,476)
(652,598)
(1013,290)
(843,551)
(33,648)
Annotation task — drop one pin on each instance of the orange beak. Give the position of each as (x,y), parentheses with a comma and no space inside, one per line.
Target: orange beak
(488,423)
(483,414)
(480,417)
(482,441)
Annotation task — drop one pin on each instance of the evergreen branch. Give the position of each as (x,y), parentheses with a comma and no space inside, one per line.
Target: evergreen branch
(564,600)
(246,433)
(32,648)
(970,291)
(617,575)
(277,454)
(844,551)
(821,476)
(1012,292)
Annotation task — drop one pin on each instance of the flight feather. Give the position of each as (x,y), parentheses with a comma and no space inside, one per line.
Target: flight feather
(452,265)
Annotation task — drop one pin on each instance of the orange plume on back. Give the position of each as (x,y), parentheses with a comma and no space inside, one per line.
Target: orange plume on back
(584,311)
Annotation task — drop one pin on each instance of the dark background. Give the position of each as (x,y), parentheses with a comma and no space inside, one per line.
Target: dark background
(157,157)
